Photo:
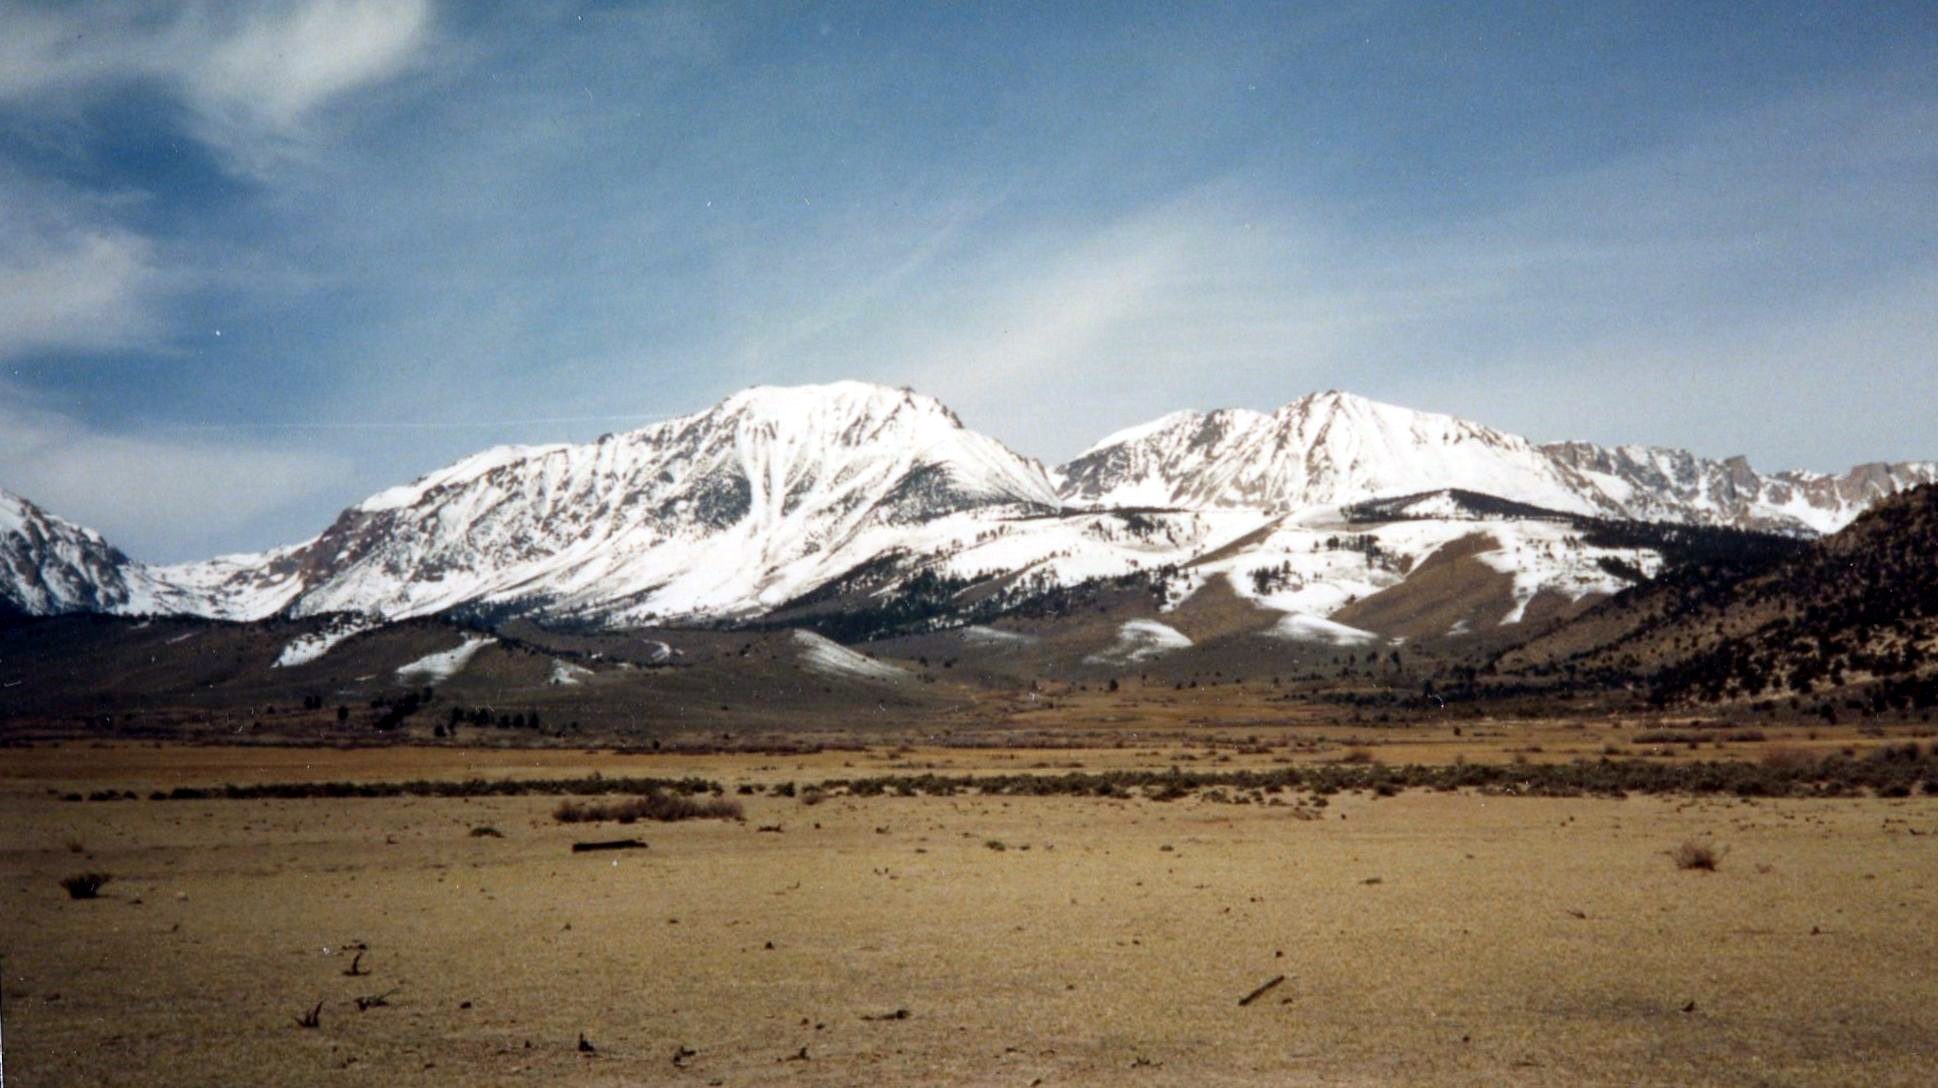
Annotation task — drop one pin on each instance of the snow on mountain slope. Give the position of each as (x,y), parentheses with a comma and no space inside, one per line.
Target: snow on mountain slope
(433,668)
(1300,627)
(1652,484)
(839,495)
(247,586)
(1545,556)
(1320,450)
(307,648)
(1314,565)
(724,513)
(830,658)
(49,565)
(1334,448)
(1140,640)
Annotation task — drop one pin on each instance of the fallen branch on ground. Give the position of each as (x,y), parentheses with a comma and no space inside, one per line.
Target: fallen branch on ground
(1261,991)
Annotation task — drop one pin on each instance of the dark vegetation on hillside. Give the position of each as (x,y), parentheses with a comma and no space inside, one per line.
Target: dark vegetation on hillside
(1860,607)
(849,610)
(1845,623)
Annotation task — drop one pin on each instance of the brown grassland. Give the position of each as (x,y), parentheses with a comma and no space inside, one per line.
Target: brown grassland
(1425,938)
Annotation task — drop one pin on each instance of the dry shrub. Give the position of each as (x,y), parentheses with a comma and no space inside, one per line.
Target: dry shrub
(658,805)
(1358,755)
(1789,759)
(84,885)
(1696,855)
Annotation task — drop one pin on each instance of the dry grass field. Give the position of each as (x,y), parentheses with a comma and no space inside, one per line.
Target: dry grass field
(1425,938)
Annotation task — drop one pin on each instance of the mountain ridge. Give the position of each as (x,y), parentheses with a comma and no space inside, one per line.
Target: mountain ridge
(777,493)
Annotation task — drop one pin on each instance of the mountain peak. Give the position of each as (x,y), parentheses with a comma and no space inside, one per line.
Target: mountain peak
(737,509)
(846,393)
(1320,449)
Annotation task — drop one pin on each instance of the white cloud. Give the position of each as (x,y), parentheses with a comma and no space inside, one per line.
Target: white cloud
(157,498)
(253,74)
(254,78)
(69,278)
(86,290)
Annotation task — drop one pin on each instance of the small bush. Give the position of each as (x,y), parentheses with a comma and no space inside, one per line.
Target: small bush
(84,885)
(1789,759)
(664,807)
(1696,855)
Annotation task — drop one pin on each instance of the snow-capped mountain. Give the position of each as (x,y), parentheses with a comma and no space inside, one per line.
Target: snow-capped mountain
(49,565)
(720,514)
(1648,483)
(1325,449)
(1334,448)
(795,501)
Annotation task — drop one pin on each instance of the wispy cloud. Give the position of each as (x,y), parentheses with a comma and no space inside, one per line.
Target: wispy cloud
(161,498)
(253,74)
(70,279)
(412,217)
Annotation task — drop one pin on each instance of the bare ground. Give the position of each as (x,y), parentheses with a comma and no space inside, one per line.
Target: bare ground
(1425,939)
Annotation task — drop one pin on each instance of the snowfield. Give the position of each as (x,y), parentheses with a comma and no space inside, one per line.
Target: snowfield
(307,648)
(433,668)
(1139,640)
(830,658)
(979,635)
(1300,627)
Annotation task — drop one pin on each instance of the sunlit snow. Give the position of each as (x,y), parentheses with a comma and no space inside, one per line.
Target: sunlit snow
(830,658)
(1138,640)
(1299,627)
(307,648)
(433,668)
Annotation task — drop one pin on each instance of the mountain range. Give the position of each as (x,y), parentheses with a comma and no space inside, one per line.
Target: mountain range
(786,503)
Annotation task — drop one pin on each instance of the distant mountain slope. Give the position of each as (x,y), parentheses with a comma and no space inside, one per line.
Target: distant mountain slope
(49,565)
(1320,450)
(720,514)
(1335,448)
(866,510)
(1855,609)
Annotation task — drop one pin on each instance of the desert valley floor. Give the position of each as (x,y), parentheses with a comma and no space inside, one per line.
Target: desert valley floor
(840,936)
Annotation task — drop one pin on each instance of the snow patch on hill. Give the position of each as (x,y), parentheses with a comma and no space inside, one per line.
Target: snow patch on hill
(1138,640)
(979,635)
(830,658)
(1300,627)
(432,668)
(1553,557)
(307,648)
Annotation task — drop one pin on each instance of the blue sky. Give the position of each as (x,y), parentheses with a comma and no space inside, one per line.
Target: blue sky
(260,260)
